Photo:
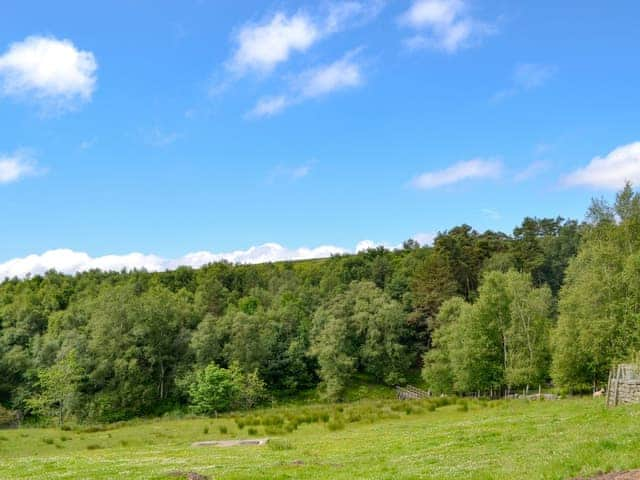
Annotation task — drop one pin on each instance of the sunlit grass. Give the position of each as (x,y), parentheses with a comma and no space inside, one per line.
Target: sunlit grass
(377,439)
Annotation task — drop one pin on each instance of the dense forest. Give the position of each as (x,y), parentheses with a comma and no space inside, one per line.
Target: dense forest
(553,303)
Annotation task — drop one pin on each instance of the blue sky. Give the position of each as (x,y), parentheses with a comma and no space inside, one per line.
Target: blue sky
(209,126)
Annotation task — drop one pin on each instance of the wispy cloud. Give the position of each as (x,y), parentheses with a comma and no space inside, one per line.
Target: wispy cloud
(342,74)
(476,168)
(259,47)
(525,77)
(269,106)
(157,137)
(609,172)
(532,170)
(52,72)
(445,25)
(290,173)
(491,214)
(17,165)
(87,144)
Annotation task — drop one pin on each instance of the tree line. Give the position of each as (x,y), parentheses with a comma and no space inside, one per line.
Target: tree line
(555,301)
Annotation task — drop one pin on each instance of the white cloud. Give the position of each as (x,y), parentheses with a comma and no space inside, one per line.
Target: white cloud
(15,166)
(291,173)
(472,169)
(157,137)
(443,25)
(269,106)
(532,170)
(260,47)
(525,77)
(69,261)
(87,144)
(313,83)
(609,172)
(48,70)
(343,14)
(491,213)
(425,238)
(532,75)
(344,73)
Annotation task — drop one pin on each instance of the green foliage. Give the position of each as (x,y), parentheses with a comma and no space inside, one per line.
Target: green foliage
(477,311)
(215,390)
(58,388)
(500,340)
(360,330)
(599,321)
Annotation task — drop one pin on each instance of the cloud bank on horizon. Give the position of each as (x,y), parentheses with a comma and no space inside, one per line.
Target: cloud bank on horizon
(69,262)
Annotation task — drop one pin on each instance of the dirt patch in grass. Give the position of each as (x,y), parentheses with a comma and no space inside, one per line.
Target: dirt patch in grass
(629,475)
(231,443)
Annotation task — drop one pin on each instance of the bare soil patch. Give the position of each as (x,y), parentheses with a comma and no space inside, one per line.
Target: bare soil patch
(231,443)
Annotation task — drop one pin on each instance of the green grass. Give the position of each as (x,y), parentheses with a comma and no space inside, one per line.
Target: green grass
(378,439)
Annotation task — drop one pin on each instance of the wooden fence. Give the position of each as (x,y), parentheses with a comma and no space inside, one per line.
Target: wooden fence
(410,392)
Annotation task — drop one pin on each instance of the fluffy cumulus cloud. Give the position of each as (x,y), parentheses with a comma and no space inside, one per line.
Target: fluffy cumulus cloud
(609,172)
(342,74)
(15,166)
(472,169)
(443,25)
(260,47)
(49,70)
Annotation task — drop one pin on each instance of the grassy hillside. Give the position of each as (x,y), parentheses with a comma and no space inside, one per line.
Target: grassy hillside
(367,439)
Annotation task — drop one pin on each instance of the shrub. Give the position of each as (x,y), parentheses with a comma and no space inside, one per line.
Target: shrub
(223,429)
(205,430)
(94,446)
(48,441)
(252,431)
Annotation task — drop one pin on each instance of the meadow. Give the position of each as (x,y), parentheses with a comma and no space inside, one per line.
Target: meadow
(367,439)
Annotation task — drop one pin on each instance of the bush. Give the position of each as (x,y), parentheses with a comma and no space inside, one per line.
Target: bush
(223,429)
(213,390)
(252,431)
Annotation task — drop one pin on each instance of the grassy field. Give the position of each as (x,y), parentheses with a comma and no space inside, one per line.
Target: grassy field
(362,440)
